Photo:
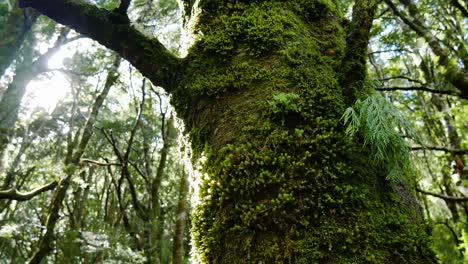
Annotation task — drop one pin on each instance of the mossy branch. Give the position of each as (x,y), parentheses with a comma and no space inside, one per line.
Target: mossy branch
(114,30)
(13,194)
(353,68)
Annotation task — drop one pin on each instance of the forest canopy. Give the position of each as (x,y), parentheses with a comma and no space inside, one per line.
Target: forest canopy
(232,131)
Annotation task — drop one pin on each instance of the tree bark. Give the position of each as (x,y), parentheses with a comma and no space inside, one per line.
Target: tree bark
(262,96)
(262,100)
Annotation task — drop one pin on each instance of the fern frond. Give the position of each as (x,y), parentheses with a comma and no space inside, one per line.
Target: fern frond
(378,122)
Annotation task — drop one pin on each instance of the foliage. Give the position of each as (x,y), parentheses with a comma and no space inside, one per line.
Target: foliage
(91,227)
(285,102)
(379,124)
(400,57)
(464,245)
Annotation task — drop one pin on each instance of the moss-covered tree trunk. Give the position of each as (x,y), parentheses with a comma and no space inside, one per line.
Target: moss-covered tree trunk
(262,100)
(262,93)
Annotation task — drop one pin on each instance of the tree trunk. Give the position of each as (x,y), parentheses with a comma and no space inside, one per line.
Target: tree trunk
(13,32)
(262,100)
(178,251)
(169,135)
(262,93)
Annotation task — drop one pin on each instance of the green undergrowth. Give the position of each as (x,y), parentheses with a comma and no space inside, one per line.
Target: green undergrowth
(261,100)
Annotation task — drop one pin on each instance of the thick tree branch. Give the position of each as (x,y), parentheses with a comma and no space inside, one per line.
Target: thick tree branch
(354,66)
(418,88)
(445,197)
(460,7)
(13,194)
(114,31)
(123,7)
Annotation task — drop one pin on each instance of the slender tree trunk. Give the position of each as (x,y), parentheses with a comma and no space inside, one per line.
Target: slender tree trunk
(16,27)
(11,102)
(157,215)
(45,244)
(26,142)
(80,197)
(178,251)
(446,132)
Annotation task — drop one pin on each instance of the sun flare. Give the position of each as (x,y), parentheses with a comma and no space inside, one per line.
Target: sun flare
(46,93)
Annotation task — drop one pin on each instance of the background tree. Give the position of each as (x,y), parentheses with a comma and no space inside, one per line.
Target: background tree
(90,227)
(416,51)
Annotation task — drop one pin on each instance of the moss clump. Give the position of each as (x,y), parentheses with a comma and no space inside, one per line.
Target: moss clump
(239,57)
(260,97)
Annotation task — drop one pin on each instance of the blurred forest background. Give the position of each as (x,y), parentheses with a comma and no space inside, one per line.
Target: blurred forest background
(71,107)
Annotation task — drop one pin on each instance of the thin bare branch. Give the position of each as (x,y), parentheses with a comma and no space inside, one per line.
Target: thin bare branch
(418,88)
(445,197)
(96,163)
(401,77)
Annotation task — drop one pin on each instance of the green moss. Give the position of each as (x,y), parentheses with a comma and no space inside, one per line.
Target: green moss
(261,99)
